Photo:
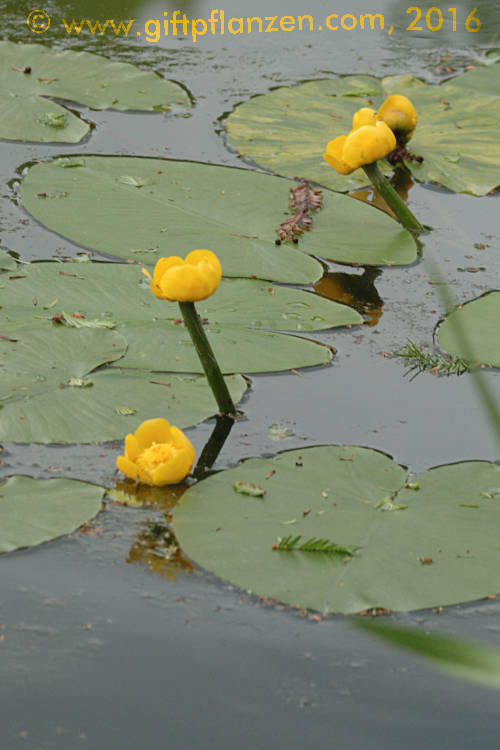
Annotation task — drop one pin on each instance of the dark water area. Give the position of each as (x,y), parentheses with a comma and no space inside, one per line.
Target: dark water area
(100,652)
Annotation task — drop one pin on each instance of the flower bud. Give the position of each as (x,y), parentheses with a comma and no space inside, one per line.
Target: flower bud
(400,115)
(190,280)
(364,145)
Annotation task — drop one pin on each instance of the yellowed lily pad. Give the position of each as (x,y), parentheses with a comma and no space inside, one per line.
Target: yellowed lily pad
(457,133)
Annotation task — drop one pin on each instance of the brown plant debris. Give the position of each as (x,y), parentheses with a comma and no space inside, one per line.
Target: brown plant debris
(400,154)
(304,199)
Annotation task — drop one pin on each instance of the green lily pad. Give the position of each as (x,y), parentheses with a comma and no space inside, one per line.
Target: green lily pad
(51,393)
(33,511)
(479,323)
(439,547)
(7,262)
(288,129)
(28,114)
(162,208)
(119,295)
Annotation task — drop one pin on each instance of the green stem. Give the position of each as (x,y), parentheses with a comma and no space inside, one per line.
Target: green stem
(391,197)
(213,446)
(207,359)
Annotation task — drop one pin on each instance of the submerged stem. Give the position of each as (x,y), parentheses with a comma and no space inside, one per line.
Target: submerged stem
(392,199)
(207,359)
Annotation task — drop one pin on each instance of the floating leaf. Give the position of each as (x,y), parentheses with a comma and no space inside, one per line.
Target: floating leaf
(33,511)
(247,488)
(231,211)
(279,432)
(457,657)
(53,120)
(390,568)
(79,321)
(79,383)
(238,311)
(125,411)
(7,262)
(66,162)
(288,129)
(42,406)
(387,504)
(27,114)
(137,182)
(479,322)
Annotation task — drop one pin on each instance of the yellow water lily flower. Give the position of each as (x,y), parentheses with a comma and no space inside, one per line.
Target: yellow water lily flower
(157,454)
(400,115)
(189,280)
(363,145)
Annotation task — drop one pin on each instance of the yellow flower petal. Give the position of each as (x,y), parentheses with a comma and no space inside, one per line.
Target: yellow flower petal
(152,431)
(144,475)
(127,467)
(177,468)
(185,283)
(178,438)
(154,288)
(132,449)
(400,115)
(364,116)
(368,144)
(189,280)
(198,256)
(164,264)
(334,155)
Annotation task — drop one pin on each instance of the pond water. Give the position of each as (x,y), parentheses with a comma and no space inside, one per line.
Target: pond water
(100,652)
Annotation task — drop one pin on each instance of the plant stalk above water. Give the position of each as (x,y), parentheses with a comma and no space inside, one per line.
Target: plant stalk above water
(207,359)
(391,197)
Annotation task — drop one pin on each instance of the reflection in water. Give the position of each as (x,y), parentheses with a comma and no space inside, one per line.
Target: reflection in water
(401,181)
(156,546)
(354,290)
(165,498)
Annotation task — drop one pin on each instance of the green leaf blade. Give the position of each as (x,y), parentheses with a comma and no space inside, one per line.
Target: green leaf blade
(432,552)
(28,114)
(33,511)
(232,211)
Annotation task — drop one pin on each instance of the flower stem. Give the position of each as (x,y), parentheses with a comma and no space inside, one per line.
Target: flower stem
(207,359)
(213,446)
(391,197)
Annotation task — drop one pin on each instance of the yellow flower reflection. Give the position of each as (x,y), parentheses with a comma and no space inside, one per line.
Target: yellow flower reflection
(157,454)
(189,280)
